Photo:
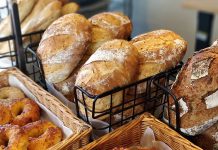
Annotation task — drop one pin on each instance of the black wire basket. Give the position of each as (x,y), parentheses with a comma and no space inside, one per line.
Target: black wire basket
(8,57)
(153,100)
(33,63)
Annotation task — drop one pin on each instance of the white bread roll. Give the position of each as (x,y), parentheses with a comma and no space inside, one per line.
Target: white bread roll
(159,51)
(114,64)
(62,46)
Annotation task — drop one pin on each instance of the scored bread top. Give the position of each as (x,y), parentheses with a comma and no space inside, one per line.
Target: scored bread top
(116,22)
(158,51)
(113,64)
(63,45)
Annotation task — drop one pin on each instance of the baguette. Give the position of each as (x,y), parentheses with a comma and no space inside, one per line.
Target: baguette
(63,45)
(112,65)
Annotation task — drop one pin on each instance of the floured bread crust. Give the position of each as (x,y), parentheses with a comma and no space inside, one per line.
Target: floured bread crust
(197,85)
(63,45)
(114,64)
(159,51)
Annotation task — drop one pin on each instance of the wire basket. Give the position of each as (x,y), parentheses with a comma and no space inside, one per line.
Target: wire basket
(33,63)
(7,59)
(153,100)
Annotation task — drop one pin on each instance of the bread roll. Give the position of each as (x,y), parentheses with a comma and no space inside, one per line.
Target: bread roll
(159,51)
(117,23)
(114,64)
(196,90)
(62,46)
(99,36)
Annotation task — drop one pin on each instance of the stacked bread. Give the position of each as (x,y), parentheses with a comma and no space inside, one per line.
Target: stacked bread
(196,91)
(105,26)
(35,15)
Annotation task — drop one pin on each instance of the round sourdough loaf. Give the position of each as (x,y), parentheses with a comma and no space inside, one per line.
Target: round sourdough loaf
(196,89)
(63,45)
(114,64)
(159,51)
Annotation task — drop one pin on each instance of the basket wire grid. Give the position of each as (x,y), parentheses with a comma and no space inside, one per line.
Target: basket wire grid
(153,100)
(8,59)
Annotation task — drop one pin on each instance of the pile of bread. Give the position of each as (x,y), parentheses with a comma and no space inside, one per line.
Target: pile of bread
(21,126)
(94,54)
(196,89)
(35,15)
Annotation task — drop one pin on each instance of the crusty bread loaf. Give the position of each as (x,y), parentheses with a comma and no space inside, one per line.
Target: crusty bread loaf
(114,64)
(208,140)
(117,23)
(42,15)
(99,36)
(159,51)
(69,8)
(196,90)
(62,46)
(24,8)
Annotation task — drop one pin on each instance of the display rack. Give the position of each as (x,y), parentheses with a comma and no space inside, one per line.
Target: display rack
(153,100)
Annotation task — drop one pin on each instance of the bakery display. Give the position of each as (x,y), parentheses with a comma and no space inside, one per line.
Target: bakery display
(159,51)
(99,35)
(196,90)
(62,46)
(42,134)
(112,65)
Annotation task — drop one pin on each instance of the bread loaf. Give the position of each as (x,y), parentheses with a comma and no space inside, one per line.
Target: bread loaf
(159,51)
(24,8)
(42,15)
(114,64)
(69,8)
(62,46)
(117,23)
(99,36)
(208,140)
(196,90)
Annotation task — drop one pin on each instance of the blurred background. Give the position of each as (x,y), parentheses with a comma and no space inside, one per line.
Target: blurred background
(148,15)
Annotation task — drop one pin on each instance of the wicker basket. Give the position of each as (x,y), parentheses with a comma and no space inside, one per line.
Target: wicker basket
(81,131)
(130,134)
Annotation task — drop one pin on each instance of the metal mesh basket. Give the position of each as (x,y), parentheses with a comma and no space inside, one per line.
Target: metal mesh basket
(153,100)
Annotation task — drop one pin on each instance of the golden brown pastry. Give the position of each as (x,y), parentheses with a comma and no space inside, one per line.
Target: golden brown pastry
(11,93)
(100,34)
(42,134)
